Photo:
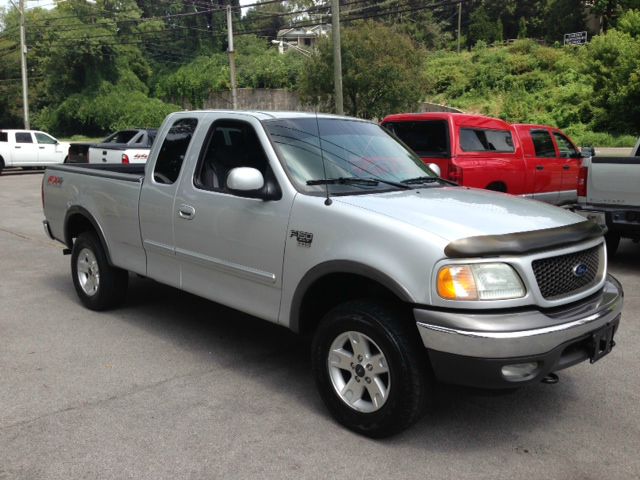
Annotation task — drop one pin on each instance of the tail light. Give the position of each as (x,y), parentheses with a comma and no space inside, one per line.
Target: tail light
(455,174)
(583,175)
(125,159)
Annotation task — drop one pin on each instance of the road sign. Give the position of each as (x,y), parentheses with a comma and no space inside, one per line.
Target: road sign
(577,38)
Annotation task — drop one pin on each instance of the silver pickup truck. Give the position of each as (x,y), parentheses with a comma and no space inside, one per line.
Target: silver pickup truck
(331,227)
(609,194)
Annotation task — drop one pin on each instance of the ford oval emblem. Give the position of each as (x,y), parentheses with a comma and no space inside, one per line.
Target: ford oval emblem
(580,270)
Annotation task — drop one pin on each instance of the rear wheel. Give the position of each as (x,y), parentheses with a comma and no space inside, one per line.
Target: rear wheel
(1,165)
(99,285)
(370,368)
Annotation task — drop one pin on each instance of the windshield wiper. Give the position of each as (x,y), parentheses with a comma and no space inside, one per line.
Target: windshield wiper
(419,180)
(390,182)
(343,181)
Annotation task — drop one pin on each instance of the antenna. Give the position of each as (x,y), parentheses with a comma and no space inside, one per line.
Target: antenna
(327,200)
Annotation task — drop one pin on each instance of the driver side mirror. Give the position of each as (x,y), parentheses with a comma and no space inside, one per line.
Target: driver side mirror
(435,169)
(245,180)
(586,152)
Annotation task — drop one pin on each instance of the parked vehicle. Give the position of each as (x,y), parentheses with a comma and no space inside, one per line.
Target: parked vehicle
(125,146)
(609,194)
(329,226)
(534,161)
(30,148)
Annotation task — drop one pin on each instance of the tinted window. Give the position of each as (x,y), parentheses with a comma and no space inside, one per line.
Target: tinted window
(543,144)
(231,144)
(427,139)
(482,140)
(23,137)
(174,148)
(45,139)
(121,137)
(567,150)
(3,136)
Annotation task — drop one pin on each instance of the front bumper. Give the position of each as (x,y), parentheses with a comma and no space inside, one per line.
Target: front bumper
(471,348)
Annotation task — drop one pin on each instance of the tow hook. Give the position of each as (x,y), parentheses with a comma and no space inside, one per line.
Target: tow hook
(551,379)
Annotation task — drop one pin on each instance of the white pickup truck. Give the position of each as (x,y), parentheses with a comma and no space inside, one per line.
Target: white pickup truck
(609,194)
(30,148)
(124,147)
(329,226)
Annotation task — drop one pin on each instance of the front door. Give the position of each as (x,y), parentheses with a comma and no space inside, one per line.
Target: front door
(231,247)
(49,150)
(545,167)
(570,160)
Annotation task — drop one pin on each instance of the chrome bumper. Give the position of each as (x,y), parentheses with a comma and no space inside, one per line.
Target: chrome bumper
(517,333)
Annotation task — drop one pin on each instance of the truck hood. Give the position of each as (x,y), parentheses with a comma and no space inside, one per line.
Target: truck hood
(454,212)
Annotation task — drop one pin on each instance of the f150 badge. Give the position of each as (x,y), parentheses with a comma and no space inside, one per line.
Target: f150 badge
(304,238)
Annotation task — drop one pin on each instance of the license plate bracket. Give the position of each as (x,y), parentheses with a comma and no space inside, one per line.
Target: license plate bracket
(602,342)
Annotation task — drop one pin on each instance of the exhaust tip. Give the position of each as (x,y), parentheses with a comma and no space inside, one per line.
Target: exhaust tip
(551,379)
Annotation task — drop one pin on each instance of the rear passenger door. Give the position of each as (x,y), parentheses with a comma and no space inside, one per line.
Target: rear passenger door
(571,160)
(547,167)
(25,150)
(157,201)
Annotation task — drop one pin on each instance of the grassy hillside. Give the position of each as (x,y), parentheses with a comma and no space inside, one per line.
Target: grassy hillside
(526,82)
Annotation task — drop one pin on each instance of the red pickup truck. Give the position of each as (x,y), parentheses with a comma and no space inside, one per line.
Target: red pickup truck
(536,161)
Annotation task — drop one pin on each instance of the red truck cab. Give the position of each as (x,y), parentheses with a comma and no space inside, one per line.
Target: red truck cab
(484,152)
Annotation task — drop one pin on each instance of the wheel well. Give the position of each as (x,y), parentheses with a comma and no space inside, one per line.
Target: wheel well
(329,291)
(77,224)
(497,187)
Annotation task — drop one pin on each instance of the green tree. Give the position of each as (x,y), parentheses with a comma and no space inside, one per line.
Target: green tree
(481,27)
(381,72)
(522,28)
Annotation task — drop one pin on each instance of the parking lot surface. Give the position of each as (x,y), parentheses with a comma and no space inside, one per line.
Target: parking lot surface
(171,386)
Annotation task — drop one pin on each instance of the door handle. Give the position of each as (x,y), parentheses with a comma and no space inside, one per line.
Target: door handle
(186,211)
(41,148)
(18,146)
(566,167)
(539,167)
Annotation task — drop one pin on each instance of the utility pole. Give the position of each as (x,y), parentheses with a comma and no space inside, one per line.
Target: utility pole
(337,56)
(459,23)
(23,61)
(232,61)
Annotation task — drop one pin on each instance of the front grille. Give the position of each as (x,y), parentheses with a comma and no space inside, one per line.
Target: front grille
(556,276)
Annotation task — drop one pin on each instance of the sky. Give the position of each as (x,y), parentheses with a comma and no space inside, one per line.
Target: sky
(51,3)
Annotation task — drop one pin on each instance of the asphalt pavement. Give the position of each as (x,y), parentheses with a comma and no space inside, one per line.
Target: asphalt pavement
(171,386)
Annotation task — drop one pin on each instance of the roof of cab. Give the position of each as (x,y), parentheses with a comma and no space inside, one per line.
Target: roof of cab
(461,119)
(269,115)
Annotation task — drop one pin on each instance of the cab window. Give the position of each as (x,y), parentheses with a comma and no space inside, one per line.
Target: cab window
(484,140)
(23,137)
(543,144)
(427,139)
(173,150)
(566,148)
(45,139)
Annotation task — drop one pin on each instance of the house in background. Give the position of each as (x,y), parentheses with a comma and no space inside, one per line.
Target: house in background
(301,39)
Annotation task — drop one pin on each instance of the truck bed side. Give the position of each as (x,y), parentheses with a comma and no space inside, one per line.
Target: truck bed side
(105,196)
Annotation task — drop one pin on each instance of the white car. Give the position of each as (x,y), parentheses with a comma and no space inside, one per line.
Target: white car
(30,148)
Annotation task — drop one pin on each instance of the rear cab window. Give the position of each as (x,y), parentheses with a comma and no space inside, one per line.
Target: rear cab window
(173,150)
(486,140)
(425,138)
(24,137)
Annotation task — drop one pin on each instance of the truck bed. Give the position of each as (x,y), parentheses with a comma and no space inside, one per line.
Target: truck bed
(106,193)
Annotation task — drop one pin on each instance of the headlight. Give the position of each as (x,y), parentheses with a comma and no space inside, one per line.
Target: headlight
(479,281)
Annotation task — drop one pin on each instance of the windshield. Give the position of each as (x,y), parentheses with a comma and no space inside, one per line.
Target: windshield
(352,150)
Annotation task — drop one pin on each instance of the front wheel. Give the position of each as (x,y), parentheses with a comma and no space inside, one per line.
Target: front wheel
(612,240)
(99,285)
(370,368)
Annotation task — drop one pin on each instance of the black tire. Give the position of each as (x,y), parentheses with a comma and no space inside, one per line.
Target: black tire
(410,383)
(111,288)
(1,165)
(613,241)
